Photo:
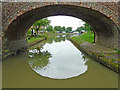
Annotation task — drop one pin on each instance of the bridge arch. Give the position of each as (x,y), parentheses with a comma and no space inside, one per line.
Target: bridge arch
(106,30)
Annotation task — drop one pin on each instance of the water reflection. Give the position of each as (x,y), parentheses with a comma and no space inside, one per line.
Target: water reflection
(17,73)
(38,59)
(58,58)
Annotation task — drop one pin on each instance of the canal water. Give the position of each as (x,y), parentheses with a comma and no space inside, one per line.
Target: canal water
(56,63)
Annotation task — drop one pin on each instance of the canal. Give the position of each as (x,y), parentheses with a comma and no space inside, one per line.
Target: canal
(55,63)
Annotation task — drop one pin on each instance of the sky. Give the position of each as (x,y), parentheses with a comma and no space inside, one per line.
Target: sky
(66,21)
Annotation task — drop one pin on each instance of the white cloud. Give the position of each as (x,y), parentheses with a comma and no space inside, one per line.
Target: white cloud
(66,21)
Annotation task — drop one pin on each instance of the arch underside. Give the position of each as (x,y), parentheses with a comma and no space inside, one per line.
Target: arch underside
(106,31)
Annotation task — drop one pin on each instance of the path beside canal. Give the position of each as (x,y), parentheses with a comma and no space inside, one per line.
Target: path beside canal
(105,56)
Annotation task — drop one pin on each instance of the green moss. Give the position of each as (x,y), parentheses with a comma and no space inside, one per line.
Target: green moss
(111,61)
(116,65)
(104,59)
(102,55)
(114,59)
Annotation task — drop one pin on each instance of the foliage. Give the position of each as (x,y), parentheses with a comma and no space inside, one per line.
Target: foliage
(69,29)
(49,28)
(63,28)
(41,23)
(79,29)
(29,32)
(58,28)
(86,27)
(39,59)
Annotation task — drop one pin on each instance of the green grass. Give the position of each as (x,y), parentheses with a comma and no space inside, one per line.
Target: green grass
(87,37)
(33,39)
(36,38)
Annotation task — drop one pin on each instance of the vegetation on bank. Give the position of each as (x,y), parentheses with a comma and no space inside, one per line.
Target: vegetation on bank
(34,40)
(41,29)
(42,26)
(109,59)
(105,56)
(86,37)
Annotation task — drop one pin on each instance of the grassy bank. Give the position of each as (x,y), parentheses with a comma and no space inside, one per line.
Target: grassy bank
(87,37)
(106,56)
(34,40)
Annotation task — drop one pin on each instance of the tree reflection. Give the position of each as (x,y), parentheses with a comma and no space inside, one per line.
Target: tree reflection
(68,37)
(38,59)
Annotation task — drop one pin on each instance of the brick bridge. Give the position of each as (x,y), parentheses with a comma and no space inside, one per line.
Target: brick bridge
(17,18)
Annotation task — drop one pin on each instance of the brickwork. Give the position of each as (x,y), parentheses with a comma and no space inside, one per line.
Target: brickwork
(0,32)
(12,10)
(119,25)
(17,17)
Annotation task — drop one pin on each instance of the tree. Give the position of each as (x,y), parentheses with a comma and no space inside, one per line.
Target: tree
(69,29)
(41,23)
(37,26)
(87,27)
(79,29)
(32,31)
(46,22)
(39,59)
(49,28)
(63,28)
(58,28)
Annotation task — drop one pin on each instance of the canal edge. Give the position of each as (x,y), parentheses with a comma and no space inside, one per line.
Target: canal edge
(95,56)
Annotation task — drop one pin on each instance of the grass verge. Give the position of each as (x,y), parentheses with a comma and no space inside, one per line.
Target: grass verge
(87,37)
(34,40)
(108,58)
